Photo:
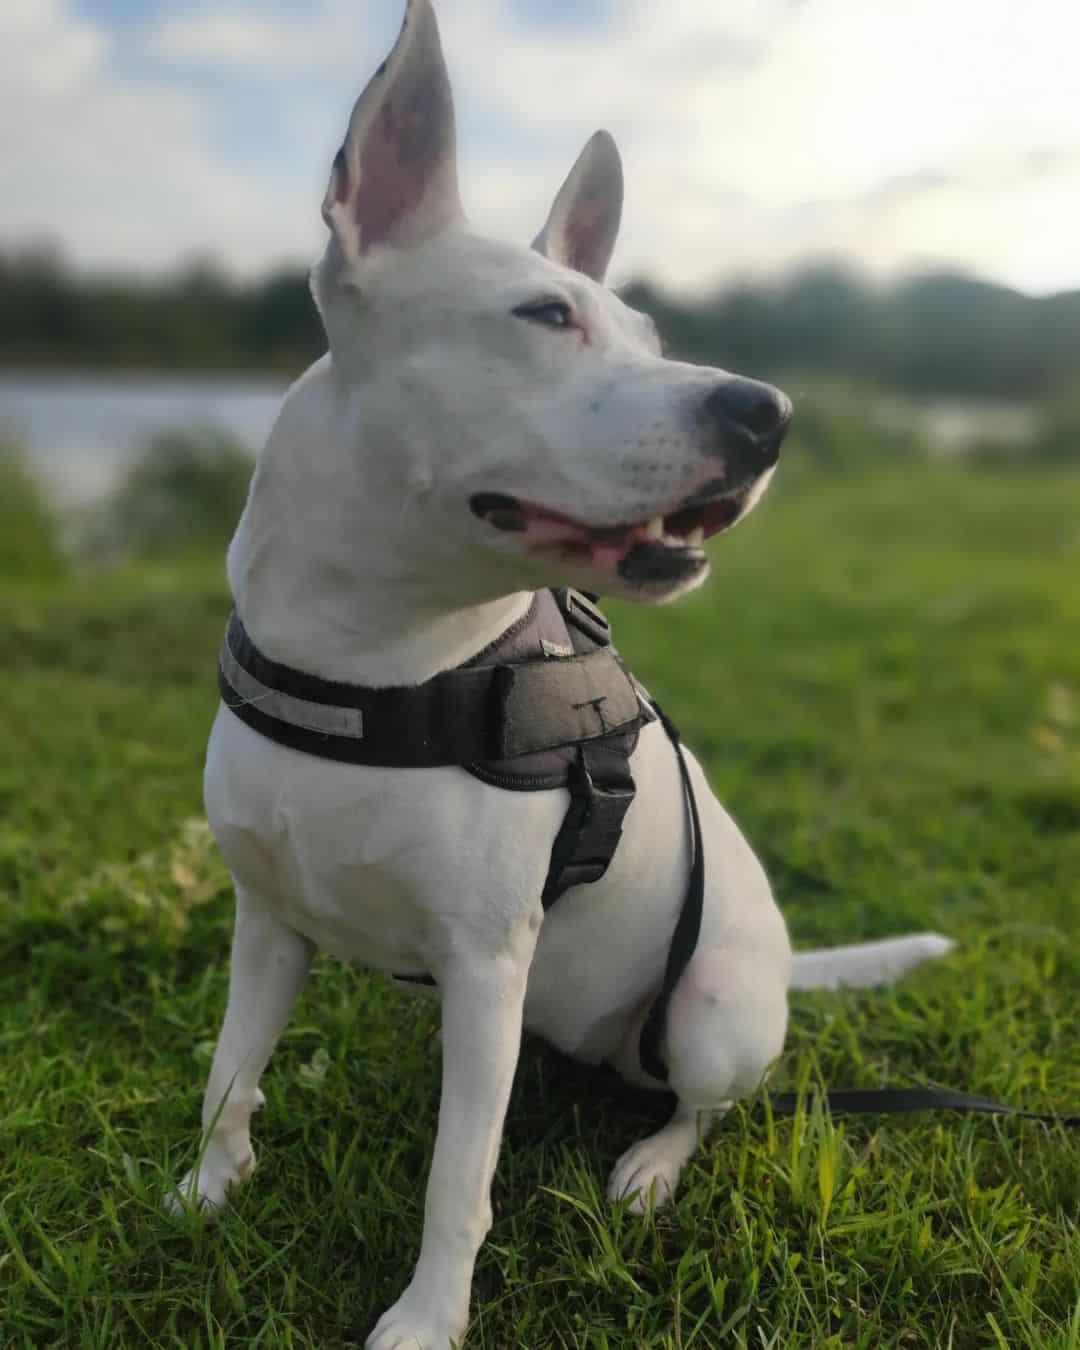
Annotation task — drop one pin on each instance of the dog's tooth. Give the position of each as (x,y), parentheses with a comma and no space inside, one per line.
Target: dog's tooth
(696,537)
(655,528)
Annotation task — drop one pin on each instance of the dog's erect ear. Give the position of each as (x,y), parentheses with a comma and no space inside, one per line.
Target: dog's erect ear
(394,180)
(584,221)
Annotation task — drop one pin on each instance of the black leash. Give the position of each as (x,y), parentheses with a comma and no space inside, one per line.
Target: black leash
(688,927)
(843,1101)
(869,1101)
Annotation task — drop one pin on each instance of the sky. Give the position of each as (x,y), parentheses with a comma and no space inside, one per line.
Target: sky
(897,135)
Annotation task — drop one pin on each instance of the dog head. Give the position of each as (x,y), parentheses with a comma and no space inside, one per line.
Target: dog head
(522,422)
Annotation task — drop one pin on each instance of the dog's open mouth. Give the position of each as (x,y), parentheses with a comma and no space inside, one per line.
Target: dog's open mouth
(664,549)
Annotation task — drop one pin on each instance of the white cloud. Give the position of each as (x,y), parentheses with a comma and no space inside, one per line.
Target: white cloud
(334,37)
(230,39)
(42,50)
(739,167)
(122,174)
(754,133)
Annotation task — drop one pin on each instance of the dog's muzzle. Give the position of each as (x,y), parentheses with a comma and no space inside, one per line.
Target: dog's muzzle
(742,423)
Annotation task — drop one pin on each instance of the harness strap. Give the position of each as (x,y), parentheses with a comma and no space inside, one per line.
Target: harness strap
(688,927)
(601,790)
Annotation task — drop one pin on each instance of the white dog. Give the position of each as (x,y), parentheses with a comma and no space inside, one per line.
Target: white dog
(489,421)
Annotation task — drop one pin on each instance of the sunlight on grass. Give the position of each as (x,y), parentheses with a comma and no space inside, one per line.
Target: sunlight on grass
(158,888)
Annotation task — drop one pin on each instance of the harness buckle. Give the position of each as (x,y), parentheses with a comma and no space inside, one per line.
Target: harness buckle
(584,615)
(590,831)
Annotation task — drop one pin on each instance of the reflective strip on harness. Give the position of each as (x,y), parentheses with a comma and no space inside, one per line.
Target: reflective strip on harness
(323,718)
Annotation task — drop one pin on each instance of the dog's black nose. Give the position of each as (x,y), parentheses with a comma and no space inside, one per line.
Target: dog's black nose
(751,418)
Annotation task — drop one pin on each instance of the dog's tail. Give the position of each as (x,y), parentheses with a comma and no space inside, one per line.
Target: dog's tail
(865,963)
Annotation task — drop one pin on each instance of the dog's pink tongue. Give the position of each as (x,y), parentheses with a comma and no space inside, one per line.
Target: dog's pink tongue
(549,529)
(601,549)
(606,555)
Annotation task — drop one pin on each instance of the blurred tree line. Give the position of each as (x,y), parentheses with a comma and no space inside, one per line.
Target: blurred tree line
(195,319)
(940,333)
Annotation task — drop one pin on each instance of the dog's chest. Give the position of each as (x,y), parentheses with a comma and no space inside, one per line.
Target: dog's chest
(388,868)
(373,865)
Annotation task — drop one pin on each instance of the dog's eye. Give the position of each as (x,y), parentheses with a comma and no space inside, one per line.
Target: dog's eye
(553,313)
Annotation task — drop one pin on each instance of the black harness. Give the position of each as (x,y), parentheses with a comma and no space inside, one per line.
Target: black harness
(549,704)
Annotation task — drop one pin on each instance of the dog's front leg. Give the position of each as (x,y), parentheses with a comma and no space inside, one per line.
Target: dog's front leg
(482,999)
(268,967)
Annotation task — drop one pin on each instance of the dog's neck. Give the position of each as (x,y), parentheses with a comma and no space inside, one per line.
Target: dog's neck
(372,641)
(318,576)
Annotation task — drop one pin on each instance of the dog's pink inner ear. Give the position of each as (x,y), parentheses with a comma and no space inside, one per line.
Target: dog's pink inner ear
(399,165)
(394,181)
(581,230)
(586,236)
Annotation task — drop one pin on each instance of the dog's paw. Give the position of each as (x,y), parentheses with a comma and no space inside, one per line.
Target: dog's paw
(412,1324)
(205,1186)
(935,945)
(648,1173)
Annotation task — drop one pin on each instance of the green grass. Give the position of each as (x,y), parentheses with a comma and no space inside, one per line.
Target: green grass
(883,677)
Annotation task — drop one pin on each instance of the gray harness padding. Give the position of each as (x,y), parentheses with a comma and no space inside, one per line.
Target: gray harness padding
(561,625)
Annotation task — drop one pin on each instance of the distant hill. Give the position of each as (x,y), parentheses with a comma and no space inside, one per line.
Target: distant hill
(941,333)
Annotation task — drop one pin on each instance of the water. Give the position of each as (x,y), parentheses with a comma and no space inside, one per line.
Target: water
(81,431)
(951,425)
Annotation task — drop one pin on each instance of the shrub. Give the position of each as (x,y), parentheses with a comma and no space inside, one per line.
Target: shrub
(1058,439)
(29,532)
(1055,440)
(840,427)
(184,494)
